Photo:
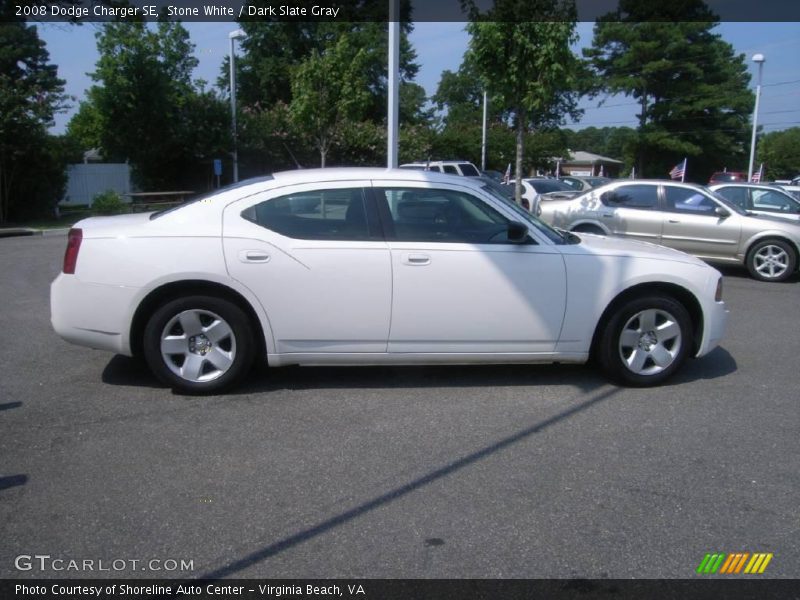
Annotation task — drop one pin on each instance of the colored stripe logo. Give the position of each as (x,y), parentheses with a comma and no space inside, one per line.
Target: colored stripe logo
(734,563)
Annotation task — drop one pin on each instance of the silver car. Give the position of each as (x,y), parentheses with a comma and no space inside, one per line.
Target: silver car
(686,217)
(760,199)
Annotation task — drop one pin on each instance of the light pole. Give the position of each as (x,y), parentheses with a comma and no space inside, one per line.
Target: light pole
(393,108)
(757,58)
(233,36)
(483,132)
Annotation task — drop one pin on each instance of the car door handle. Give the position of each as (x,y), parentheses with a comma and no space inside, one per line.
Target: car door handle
(608,215)
(253,256)
(673,221)
(417,260)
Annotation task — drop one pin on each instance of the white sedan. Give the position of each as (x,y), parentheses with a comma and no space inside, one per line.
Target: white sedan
(374,266)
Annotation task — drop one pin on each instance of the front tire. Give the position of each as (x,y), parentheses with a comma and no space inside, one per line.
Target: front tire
(199,344)
(771,260)
(645,341)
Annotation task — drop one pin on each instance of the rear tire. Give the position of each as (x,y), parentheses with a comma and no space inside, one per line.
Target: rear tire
(199,344)
(645,341)
(771,260)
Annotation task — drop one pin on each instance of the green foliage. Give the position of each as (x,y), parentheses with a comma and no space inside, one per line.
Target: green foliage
(521,51)
(328,89)
(147,109)
(692,88)
(108,203)
(30,94)
(780,153)
(273,50)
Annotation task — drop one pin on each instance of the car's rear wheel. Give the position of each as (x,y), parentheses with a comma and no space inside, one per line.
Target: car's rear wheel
(645,341)
(771,260)
(199,344)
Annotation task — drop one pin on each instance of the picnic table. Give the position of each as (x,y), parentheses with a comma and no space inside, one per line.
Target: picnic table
(147,201)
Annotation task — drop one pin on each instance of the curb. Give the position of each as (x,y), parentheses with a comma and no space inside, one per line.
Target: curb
(27,231)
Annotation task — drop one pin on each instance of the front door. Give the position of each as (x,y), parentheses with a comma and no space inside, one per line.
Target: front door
(459,285)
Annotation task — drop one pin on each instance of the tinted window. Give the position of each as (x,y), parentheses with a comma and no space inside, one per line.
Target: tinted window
(468,170)
(737,195)
(688,200)
(632,196)
(450,169)
(337,214)
(431,215)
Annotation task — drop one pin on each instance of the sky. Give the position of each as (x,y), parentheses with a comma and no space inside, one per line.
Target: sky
(441,46)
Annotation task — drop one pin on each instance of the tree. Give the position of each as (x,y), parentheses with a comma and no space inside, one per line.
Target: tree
(780,153)
(30,94)
(521,51)
(691,87)
(148,109)
(328,89)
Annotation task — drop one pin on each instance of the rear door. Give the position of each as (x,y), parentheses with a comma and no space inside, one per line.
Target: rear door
(632,211)
(315,257)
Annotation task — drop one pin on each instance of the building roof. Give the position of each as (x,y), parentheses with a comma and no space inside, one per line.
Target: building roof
(580,156)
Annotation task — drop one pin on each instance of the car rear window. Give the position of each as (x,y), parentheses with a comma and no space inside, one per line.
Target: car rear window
(468,170)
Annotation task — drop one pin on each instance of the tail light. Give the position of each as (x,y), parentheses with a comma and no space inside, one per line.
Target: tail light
(718,293)
(74,238)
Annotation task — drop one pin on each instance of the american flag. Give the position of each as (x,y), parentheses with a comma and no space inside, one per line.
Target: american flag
(507,176)
(678,171)
(758,174)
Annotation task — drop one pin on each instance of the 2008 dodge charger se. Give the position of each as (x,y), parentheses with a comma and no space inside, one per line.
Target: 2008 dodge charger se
(375,266)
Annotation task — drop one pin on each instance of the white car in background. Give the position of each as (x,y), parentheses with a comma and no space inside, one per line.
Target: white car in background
(374,266)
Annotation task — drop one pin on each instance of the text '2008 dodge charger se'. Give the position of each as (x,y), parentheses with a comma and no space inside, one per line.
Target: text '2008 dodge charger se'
(375,266)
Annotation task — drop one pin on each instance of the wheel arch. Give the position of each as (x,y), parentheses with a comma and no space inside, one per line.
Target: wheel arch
(177,289)
(589,223)
(673,290)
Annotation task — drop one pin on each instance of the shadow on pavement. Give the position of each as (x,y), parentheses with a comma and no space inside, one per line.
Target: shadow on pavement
(10,405)
(12,481)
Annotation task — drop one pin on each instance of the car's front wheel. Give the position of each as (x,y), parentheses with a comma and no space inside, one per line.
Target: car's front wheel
(645,341)
(771,260)
(199,344)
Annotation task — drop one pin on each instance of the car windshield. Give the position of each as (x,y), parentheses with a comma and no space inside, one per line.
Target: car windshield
(545,186)
(526,217)
(211,194)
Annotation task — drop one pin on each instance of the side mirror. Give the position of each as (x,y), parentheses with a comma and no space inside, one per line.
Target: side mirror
(722,212)
(517,232)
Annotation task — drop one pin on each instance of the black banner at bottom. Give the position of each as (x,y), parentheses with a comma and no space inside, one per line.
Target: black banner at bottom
(404,589)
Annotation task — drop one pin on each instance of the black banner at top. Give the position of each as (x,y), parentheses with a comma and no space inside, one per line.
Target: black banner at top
(378,10)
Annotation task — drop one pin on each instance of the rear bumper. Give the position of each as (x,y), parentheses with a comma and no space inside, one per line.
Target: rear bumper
(91,314)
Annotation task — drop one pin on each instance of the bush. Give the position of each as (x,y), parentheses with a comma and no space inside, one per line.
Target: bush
(108,203)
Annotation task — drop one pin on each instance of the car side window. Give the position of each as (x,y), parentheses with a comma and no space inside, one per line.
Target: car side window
(643,197)
(450,169)
(772,201)
(335,214)
(737,195)
(439,215)
(687,200)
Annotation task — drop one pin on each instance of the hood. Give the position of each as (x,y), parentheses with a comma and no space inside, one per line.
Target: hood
(615,246)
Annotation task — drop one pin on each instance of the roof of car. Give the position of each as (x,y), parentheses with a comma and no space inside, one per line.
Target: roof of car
(346,173)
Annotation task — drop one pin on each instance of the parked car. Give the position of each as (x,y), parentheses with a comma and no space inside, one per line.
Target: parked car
(686,217)
(728,177)
(405,267)
(451,167)
(760,199)
(537,190)
(581,184)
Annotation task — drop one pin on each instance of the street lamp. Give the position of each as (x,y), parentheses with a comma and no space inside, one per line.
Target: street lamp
(757,58)
(232,36)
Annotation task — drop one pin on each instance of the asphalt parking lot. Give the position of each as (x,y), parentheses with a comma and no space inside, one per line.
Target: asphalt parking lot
(445,472)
